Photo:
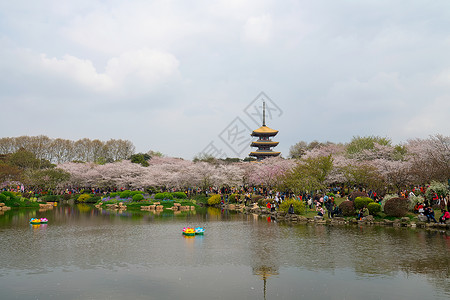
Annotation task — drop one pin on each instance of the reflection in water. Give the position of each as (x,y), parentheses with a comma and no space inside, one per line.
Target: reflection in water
(264,272)
(265,260)
(143,253)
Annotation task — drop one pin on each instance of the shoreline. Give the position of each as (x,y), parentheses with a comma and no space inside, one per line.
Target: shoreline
(299,219)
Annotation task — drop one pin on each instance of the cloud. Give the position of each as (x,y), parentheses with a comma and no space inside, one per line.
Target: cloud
(336,69)
(258,29)
(81,71)
(132,73)
(369,96)
(144,67)
(431,120)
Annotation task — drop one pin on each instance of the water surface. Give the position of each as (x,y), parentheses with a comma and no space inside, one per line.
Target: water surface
(85,253)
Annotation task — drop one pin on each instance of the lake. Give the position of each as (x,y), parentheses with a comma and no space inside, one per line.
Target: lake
(86,253)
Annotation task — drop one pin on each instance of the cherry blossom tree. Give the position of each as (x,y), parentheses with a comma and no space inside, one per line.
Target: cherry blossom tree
(309,174)
(430,158)
(269,171)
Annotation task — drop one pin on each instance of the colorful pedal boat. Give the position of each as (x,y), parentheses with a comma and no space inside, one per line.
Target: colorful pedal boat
(199,231)
(187,231)
(35,221)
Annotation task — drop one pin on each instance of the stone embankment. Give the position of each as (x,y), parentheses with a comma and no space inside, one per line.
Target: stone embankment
(42,207)
(48,205)
(154,207)
(119,206)
(176,207)
(280,216)
(179,207)
(3,207)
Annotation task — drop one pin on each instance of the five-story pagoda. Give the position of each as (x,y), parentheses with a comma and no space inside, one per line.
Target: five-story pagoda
(264,143)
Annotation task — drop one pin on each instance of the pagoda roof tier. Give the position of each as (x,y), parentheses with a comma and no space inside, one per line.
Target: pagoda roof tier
(264,143)
(264,153)
(264,131)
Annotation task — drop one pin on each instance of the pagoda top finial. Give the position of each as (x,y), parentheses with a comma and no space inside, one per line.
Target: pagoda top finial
(264,113)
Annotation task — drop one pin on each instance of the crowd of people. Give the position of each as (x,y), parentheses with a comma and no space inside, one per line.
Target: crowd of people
(425,209)
(320,203)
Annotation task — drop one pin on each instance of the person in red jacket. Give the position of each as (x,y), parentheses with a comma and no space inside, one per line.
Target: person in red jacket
(420,207)
(445,216)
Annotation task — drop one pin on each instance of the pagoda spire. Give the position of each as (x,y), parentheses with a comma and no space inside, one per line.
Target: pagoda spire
(264,113)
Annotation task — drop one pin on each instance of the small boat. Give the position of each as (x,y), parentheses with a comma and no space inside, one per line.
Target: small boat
(35,221)
(199,231)
(187,231)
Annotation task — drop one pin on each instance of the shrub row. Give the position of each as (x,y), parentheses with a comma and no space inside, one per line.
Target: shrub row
(299,207)
(355,194)
(170,196)
(16,200)
(360,202)
(349,207)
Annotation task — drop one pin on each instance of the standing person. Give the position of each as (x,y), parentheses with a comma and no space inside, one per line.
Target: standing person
(310,202)
(329,207)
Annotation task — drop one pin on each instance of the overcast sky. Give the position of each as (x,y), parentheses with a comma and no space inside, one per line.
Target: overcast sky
(182,77)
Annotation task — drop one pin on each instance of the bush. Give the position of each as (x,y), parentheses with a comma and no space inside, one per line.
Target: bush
(413,200)
(374,208)
(151,190)
(299,207)
(27,195)
(233,198)
(138,197)
(256,198)
(396,207)
(9,194)
(355,194)
(386,198)
(125,194)
(360,202)
(94,199)
(436,187)
(83,198)
(200,198)
(51,198)
(18,201)
(67,196)
(263,202)
(179,195)
(113,195)
(347,208)
(2,197)
(214,200)
(164,196)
